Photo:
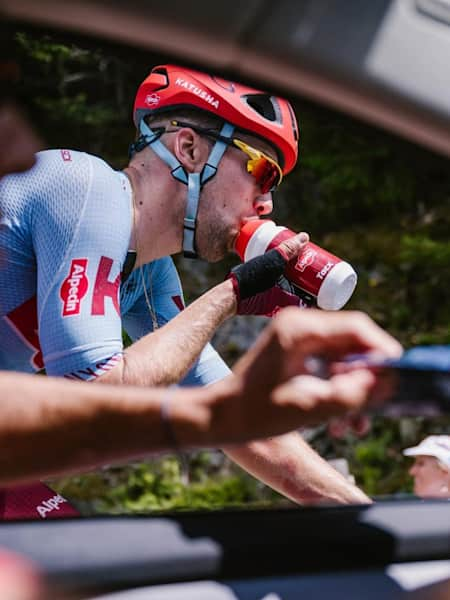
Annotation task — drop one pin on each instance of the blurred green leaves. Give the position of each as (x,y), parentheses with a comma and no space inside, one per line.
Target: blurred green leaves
(211,482)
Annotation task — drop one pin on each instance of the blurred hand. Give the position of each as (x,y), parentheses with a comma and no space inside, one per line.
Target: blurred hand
(276,389)
(19,578)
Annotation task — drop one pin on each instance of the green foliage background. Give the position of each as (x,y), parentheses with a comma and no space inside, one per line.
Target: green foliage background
(380,202)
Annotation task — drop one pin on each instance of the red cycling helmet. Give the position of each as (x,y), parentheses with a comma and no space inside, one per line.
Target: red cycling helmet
(259,113)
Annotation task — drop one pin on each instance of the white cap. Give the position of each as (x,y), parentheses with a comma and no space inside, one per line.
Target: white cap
(433,445)
(337,287)
(258,239)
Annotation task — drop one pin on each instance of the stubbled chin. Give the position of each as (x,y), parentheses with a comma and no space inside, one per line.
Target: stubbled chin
(209,257)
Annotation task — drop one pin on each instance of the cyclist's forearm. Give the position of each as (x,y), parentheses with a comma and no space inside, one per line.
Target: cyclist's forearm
(290,466)
(50,426)
(166,355)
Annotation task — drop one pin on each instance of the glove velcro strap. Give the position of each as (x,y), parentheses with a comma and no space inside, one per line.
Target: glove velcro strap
(258,274)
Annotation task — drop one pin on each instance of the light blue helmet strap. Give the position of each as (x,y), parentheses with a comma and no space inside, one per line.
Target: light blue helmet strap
(195,183)
(210,168)
(190,217)
(164,154)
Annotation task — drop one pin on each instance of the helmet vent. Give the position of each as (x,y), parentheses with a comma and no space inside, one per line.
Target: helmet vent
(264,105)
(159,78)
(161,71)
(293,122)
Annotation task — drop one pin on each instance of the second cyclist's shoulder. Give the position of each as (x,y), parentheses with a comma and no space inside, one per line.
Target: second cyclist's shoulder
(60,180)
(55,170)
(71,163)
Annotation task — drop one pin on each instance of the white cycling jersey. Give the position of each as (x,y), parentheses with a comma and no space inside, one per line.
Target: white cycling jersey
(65,228)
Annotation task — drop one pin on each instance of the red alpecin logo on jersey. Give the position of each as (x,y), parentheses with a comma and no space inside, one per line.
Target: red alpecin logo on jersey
(74,287)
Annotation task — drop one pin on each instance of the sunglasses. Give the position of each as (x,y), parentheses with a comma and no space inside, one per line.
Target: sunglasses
(265,170)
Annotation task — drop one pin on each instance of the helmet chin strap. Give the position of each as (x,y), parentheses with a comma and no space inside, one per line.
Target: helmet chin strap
(194,181)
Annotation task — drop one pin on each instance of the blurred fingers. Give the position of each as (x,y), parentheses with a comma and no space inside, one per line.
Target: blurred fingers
(317,399)
(334,334)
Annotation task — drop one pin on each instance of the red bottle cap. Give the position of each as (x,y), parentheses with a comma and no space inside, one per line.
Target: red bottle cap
(245,234)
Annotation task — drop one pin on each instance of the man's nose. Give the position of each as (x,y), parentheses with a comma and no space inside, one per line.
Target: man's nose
(263,204)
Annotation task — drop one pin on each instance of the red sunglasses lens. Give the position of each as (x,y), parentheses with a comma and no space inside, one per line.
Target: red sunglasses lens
(266,174)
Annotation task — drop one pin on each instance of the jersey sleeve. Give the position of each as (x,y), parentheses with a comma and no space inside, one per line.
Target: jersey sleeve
(80,229)
(161,301)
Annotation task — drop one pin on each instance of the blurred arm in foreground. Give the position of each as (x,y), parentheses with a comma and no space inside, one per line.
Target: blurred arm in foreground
(78,426)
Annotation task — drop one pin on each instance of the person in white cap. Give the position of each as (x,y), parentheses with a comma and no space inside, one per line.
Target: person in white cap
(431,468)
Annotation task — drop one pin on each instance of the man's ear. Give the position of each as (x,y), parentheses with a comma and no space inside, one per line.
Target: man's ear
(190,149)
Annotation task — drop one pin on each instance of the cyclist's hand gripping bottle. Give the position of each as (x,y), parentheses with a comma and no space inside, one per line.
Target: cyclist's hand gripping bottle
(326,280)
